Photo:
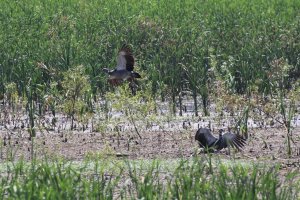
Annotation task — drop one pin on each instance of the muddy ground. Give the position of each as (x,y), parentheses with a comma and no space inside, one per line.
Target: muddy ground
(266,144)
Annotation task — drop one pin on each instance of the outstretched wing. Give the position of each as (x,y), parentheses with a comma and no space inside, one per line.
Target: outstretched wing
(125,59)
(231,139)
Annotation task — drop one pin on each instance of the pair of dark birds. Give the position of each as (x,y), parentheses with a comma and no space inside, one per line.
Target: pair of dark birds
(210,143)
(124,72)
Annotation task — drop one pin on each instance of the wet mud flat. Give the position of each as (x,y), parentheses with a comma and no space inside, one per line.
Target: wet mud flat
(267,144)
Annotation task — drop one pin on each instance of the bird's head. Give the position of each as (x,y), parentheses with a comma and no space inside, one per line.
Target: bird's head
(105,70)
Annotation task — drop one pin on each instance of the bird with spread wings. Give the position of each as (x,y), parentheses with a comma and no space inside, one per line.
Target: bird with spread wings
(210,143)
(124,70)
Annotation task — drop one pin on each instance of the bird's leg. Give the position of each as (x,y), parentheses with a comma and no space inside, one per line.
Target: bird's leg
(132,85)
(228,150)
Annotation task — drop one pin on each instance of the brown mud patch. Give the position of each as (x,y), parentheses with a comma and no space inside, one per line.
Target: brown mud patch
(268,145)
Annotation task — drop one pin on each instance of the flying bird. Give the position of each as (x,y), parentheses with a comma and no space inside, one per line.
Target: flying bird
(210,143)
(124,70)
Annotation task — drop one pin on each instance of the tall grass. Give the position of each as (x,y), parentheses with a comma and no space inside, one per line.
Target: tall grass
(172,40)
(185,179)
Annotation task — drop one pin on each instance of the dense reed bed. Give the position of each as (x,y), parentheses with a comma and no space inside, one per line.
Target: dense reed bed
(180,46)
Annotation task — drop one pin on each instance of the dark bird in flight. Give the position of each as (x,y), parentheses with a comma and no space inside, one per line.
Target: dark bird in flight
(124,70)
(210,143)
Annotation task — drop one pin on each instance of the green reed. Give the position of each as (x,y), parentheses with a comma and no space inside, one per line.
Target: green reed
(111,179)
(170,39)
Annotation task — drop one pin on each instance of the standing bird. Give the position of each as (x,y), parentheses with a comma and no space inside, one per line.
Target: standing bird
(124,70)
(210,143)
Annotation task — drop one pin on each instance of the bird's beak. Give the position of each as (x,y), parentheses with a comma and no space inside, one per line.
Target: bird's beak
(105,70)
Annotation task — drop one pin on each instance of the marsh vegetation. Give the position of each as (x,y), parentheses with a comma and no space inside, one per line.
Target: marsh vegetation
(204,63)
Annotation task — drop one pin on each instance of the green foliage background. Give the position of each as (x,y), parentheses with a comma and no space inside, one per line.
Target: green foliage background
(179,45)
(166,37)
